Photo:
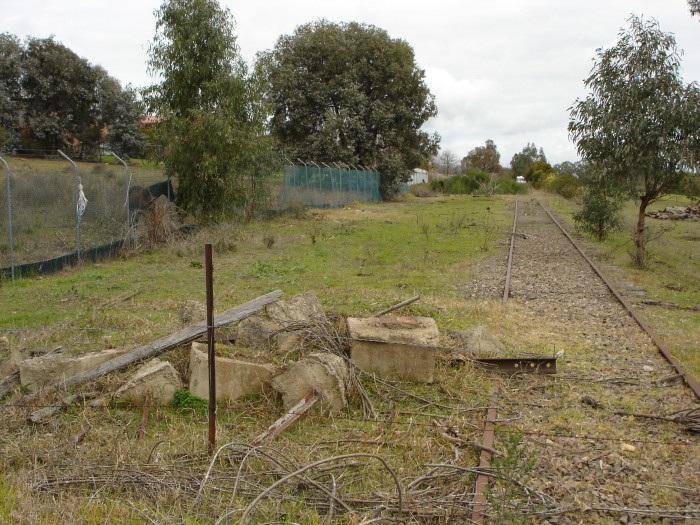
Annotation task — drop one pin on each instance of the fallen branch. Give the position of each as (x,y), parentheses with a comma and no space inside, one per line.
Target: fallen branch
(290,417)
(120,299)
(44,413)
(9,382)
(664,304)
(397,306)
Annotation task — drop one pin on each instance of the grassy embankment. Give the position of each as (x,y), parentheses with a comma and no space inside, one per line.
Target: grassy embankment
(672,274)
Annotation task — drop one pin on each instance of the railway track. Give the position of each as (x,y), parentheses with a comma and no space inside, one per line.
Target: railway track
(619,388)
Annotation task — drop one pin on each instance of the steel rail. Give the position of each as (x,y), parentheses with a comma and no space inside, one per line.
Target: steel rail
(506,287)
(482,479)
(692,384)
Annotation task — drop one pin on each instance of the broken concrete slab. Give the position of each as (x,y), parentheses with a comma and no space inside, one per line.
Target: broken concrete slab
(235,378)
(54,368)
(192,312)
(257,332)
(274,330)
(156,379)
(300,308)
(327,374)
(479,338)
(393,346)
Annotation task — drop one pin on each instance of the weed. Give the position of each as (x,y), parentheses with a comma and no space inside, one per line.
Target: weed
(487,229)
(25,389)
(196,264)
(424,227)
(184,400)
(269,240)
(513,470)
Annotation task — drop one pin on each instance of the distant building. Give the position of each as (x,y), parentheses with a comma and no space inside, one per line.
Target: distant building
(418,176)
(520,179)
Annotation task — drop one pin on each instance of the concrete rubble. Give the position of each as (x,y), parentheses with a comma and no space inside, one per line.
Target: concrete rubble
(192,312)
(156,379)
(478,339)
(235,378)
(274,330)
(326,373)
(393,346)
(54,368)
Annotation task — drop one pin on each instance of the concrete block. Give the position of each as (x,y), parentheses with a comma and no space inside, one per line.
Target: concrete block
(395,346)
(327,373)
(54,368)
(479,338)
(157,378)
(235,378)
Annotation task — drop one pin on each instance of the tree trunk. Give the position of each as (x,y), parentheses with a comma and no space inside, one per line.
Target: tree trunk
(640,255)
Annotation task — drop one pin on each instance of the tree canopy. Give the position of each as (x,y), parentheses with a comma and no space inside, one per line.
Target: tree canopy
(349,93)
(50,97)
(212,123)
(520,162)
(640,125)
(483,158)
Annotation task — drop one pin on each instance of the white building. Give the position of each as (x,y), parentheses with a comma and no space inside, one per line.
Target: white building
(418,176)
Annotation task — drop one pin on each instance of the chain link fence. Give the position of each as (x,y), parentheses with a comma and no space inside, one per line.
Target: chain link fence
(323,186)
(57,212)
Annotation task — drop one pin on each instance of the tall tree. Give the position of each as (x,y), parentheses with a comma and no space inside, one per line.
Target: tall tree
(212,126)
(10,89)
(446,162)
(521,162)
(640,124)
(484,158)
(55,98)
(350,93)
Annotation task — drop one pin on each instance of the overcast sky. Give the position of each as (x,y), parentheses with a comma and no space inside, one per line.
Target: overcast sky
(505,70)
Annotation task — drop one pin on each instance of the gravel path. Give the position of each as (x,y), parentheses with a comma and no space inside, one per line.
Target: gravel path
(593,464)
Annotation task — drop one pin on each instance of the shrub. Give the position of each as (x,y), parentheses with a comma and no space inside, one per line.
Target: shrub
(600,214)
(510,187)
(565,185)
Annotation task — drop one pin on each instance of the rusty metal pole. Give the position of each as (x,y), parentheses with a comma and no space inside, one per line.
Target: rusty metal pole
(209,269)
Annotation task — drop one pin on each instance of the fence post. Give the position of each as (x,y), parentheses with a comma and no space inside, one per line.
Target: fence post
(76,182)
(128,183)
(9,219)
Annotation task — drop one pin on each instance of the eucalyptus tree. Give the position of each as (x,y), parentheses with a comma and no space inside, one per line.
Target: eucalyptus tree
(212,126)
(348,92)
(640,125)
(484,158)
(521,162)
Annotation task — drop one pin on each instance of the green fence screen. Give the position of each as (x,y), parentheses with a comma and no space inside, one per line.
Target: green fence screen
(328,187)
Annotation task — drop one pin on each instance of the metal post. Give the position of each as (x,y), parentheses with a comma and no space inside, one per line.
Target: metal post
(76,182)
(128,183)
(9,219)
(209,269)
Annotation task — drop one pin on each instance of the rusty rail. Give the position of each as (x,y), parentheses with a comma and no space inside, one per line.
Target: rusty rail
(506,287)
(692,384)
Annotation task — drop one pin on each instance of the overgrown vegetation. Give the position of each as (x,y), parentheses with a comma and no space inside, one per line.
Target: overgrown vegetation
(476,182)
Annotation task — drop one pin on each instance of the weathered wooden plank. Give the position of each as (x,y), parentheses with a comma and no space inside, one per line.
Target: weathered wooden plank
(168,342)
